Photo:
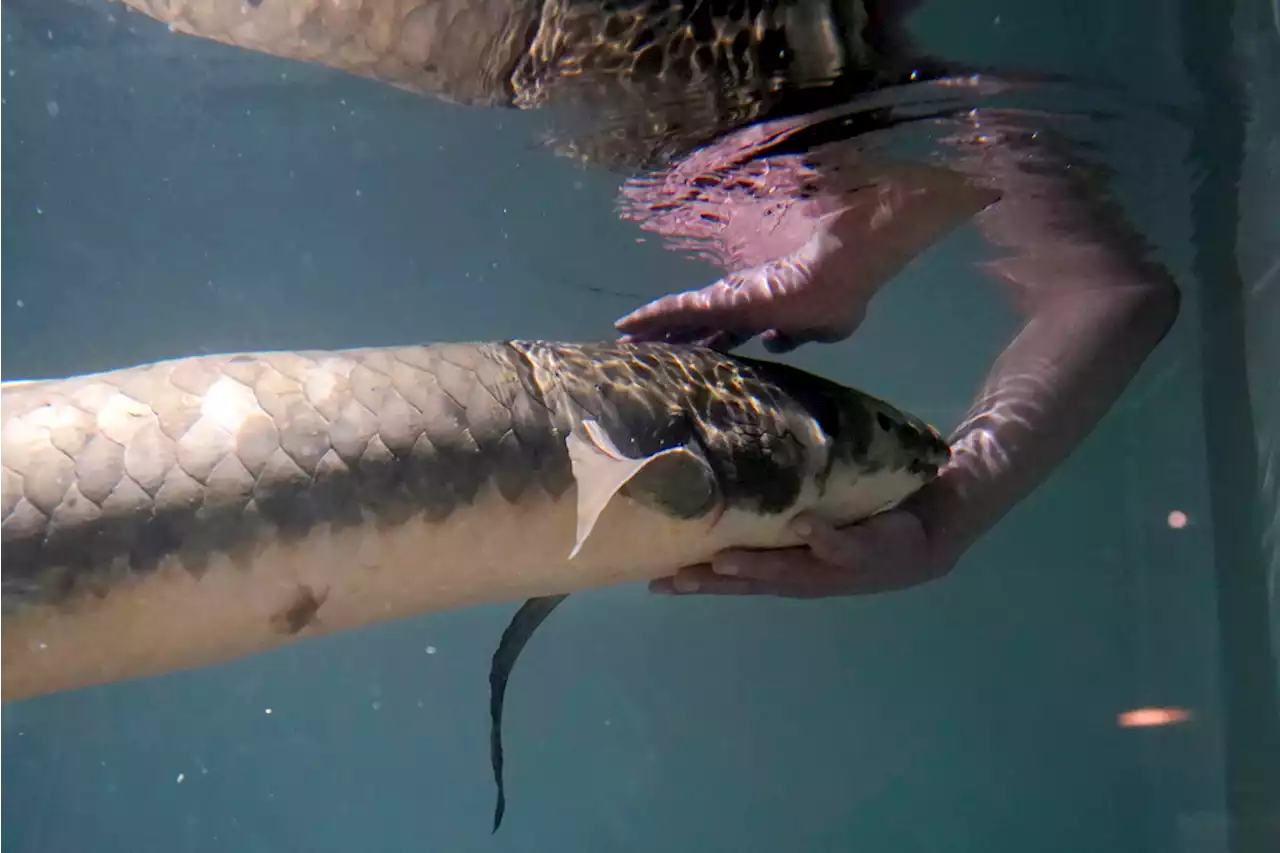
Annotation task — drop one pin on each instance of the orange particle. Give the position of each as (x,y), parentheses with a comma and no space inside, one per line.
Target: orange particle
(1146,717)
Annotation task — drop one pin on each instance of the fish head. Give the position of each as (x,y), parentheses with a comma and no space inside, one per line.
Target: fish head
(878,456)
(864,455)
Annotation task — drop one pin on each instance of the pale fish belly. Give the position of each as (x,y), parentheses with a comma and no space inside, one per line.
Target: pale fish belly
(336,580)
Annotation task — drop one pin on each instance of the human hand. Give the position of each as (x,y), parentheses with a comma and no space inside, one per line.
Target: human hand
(788,302)
(859,237)
(889,551)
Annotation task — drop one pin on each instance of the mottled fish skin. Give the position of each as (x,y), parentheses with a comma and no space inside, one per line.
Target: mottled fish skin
(108,473)
(227,482)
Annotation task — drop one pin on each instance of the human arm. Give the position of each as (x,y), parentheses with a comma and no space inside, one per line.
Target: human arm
(1094,307)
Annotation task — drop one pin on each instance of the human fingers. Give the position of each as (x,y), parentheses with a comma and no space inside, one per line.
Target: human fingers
(746,303)
(718,340)
(701,580)
(778,342)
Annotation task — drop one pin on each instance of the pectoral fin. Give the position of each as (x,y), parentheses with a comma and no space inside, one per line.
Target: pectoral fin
(519,630)
(601,470)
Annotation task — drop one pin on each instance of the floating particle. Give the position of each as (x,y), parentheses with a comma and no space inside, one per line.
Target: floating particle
(1149,717)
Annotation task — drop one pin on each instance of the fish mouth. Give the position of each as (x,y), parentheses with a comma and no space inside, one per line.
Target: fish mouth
(931,449)
(940,454)
(937,449)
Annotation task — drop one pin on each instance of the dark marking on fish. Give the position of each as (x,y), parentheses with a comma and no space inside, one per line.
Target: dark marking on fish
(525,621)
(300,612)
(682,485)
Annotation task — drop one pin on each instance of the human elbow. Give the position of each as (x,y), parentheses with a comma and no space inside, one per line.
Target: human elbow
(1152,307)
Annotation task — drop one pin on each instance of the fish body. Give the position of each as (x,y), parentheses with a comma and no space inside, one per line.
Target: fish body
(189,512)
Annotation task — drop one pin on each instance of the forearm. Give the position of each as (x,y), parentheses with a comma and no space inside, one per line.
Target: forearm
(1095,306)
(1043,396)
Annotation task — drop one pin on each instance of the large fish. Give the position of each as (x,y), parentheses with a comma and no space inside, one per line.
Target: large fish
(188,512)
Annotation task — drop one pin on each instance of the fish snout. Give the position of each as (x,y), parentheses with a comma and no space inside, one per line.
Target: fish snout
(923,446)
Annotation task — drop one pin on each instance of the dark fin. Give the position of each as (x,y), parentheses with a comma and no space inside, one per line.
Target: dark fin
(518,632)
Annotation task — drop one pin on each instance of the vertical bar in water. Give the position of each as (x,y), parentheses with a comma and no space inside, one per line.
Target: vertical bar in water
(1251,712)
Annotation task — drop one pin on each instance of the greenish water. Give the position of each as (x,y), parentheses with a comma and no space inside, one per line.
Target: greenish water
(165,196)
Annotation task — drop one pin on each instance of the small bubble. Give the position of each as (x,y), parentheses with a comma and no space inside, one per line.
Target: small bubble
(431,650)
(359,193)
(51,107)
(181,776)
(377,706)
(266,710)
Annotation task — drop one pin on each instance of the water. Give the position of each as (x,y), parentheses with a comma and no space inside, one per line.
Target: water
(166,196)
